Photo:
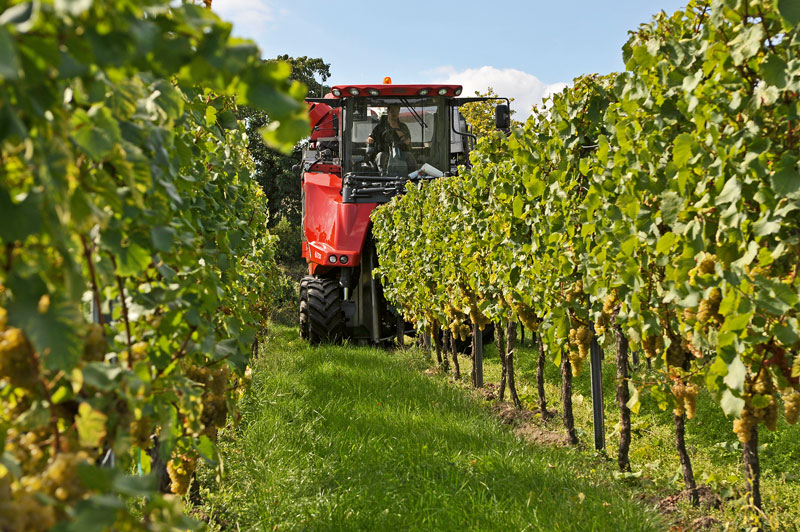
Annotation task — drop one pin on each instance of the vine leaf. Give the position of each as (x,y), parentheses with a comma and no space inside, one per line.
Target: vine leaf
(91,425)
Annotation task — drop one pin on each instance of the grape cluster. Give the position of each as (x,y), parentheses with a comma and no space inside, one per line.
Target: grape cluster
(652,345)
(686,397)
(752,415)
(706,266)
(579,339)
(180,470)
(744,424)
(676,354)
(708,310)
(528,318)
(215,405)
(476,316)
(691,347)
(96,346)
(574,292)
(60,479)
(141,430)
(17,362)
(21,511)
(26,448)
(791,405)
(604,320)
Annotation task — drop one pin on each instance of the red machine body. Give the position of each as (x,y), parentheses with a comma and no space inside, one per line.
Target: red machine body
(332,228)
(367,143)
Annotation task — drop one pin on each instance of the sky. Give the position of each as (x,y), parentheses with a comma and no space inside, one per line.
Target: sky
(522,49)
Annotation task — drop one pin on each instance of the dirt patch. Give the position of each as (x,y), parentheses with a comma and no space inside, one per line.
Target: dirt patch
(534,434)
(488,392)
(525,426)
(510,415)
(704,523)
(708,499)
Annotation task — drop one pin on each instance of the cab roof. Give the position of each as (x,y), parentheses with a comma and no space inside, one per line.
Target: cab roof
(380,89)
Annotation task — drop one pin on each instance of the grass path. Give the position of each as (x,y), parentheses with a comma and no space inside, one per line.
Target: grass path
(345,438)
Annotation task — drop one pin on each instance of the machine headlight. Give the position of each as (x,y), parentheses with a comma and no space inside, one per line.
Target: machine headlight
(332,259)
(442,91)
(343,259)
(354,91)
(336,92)
(423,92)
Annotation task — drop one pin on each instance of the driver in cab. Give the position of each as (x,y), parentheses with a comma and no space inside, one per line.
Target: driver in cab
(391,133)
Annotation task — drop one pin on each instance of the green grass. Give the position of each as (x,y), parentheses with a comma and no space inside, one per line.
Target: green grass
(350,438)
(711,443)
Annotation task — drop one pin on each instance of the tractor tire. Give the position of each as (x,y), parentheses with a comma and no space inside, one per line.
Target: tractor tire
(304,306)
(325,315)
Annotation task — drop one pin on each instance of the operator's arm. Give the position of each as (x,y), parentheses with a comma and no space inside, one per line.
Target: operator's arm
(376,133)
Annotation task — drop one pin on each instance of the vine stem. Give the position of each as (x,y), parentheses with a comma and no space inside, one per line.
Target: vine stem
(9,255)
(121,288)
(180,353)
(87,252)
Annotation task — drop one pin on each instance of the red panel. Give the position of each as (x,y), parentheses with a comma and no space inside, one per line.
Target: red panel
(324,120)
(332,227)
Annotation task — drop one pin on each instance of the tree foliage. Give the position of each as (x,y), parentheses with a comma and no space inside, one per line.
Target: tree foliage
(136,265)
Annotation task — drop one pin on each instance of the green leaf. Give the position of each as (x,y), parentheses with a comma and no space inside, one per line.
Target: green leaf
(52,333)
(228,120)
(790,11)
(665,243)
(96,132)
(282,135)
(789,333)
(100,375)
(683,149)
(774,70)
(737,372)
(10,69)
(747,43)
(162,237)
(671,206)
(211,116)
(731,192)
(517,206)
(786,179)
(91,425)
(95,514)
(775,297)
(18,220)
(731,405)
(634,402)
(134,486)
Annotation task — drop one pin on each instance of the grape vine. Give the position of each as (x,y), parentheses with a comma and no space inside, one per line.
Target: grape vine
(659,204)
(136,268)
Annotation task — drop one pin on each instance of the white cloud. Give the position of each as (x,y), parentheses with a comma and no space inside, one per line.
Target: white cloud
(526,89)
(250,18)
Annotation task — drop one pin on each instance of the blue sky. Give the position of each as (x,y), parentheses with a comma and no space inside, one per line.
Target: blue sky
(523,49)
